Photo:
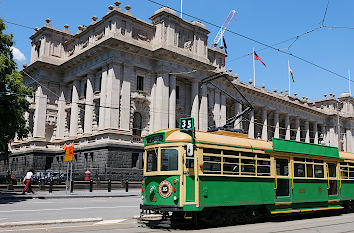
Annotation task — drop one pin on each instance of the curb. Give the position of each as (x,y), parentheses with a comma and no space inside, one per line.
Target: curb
(48,222)
(64,197)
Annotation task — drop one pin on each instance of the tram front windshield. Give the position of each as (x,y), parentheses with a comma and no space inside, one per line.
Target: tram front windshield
(169,160)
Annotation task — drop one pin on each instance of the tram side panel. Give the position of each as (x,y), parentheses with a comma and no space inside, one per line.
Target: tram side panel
(235,191)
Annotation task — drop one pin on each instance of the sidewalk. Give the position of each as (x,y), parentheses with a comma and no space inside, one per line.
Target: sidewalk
(11,195)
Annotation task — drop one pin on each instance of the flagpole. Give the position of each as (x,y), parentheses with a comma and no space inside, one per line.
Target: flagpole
(289,75)
(254,70)
(181,7)
(350,91)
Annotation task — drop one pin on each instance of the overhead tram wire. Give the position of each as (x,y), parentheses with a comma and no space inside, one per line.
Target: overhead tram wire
(258,42)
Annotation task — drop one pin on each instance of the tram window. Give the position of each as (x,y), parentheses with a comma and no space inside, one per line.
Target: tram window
(263,171)
(332,170)
(343,163)
(248,167)
(212,158)
(319,171)
(151,161)
(282,167)
(231,152)
(299,170)
(309,170)
(247,154)
(264,156)
(344,172)
(231,160)
(212,167)
(309,160)
(299,159)
(211,151)
(351,164)
(351,172)
(169,160)
(231,167)
(318,161)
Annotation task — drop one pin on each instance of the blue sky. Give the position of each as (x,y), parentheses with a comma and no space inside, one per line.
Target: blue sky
(269,22)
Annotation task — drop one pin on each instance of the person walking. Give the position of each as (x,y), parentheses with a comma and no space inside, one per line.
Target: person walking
(28,178)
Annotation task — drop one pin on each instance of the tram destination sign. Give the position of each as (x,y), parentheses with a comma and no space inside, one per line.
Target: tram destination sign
(186,124)
(154,138)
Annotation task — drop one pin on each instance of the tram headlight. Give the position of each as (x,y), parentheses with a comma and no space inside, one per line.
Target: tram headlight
(142,197)
(175,198)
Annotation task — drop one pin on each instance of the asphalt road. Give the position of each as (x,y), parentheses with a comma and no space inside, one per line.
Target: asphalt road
(332,224)
(118,213)
(77,208)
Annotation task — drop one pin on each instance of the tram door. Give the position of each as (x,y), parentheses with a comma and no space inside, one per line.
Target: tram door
(332,180)
(189,174)
(282,180)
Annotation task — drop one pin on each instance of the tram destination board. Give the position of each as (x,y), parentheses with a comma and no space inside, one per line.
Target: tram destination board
(154,138)
(186,124)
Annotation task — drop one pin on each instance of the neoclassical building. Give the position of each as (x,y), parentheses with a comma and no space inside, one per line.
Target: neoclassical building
(120,78)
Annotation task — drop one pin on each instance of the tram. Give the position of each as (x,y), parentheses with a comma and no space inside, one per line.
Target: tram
(224,176)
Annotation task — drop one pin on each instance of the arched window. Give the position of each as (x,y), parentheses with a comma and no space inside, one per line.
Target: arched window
(137,124)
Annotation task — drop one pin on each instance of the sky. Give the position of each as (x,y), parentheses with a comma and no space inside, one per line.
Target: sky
(268,22)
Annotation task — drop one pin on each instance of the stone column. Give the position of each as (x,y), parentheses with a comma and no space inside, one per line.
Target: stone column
(40,113)
(287,127)
(307,132)
(323,131)
(61,115)
(238,122)
(74,114)
(276,125)
(203,111)
(315,133)
(223,110)
(298,131)
(172,103)
(89,107)
(153,112)
(333,136)
(102,110)
(217,108)
(112,97)
(349,138)
(265,124)
(128,75)
(251,124)
(162,101)
(195,103)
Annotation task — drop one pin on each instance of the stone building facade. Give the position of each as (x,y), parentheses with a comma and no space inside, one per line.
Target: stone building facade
(120,78)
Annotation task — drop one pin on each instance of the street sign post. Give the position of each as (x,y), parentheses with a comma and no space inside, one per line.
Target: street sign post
(68,157)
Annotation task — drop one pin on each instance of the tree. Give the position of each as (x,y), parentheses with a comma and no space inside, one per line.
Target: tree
(13,103)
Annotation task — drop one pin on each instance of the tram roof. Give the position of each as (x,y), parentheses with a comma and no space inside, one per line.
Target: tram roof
(233,139)
(222,138)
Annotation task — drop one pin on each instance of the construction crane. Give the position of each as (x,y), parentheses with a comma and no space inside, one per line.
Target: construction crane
(223,28)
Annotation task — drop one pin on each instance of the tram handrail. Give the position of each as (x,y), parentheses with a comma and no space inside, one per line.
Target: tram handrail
(327,176)
(275,175)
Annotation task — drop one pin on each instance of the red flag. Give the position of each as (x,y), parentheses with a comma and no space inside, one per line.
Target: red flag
(257,58)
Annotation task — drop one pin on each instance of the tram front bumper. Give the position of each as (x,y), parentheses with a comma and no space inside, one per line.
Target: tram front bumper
(161,208)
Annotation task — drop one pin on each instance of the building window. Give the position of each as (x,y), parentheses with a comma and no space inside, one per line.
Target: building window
(177,92)
(124,26)
(140,83)
(137,124)
(135,158)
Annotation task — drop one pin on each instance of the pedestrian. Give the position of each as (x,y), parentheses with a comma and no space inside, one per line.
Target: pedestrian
(27,181)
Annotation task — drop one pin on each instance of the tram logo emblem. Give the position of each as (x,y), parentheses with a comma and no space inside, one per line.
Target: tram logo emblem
(165,189)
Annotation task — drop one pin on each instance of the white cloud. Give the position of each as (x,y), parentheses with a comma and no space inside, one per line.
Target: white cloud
(18,55)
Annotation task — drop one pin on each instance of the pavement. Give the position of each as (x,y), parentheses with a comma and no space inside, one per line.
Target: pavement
(11,195)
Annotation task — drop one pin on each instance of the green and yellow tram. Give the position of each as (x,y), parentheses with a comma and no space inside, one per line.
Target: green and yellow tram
(224,176)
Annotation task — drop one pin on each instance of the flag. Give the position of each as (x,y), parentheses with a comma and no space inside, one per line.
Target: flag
(69,150)
(257,58)
(291,73)
(223,40)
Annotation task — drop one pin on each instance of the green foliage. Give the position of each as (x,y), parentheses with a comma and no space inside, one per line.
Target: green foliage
(13,104)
